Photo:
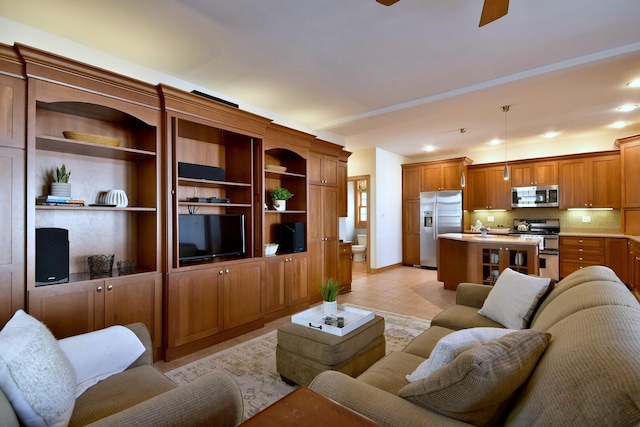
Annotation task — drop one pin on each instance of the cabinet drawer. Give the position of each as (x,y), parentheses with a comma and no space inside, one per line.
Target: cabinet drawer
(567,268)
(579,258)
(581,250)
(345,249)
(592,242)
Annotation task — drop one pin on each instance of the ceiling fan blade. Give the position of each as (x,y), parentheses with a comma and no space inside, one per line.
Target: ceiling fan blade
(387,2)
(492,10)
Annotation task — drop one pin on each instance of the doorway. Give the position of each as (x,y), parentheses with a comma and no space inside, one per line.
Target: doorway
(358,223)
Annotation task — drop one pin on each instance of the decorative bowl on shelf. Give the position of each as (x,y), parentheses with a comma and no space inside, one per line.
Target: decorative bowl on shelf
(270,249)
(100,264)
(126,266)
(90,137)
(275,168)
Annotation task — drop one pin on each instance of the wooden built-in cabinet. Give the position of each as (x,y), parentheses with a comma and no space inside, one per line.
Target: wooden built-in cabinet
(634,266)
(12,183)
(580,252)
(630,194)
(534,173)
(590,181)
(323,238)
(615,256)
(323,169)
(65,95)
(411,232)
(494,258)
(286,279)
(443,175)
(342,184)
(487,188)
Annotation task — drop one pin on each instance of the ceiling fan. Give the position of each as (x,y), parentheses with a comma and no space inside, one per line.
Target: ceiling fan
(491,10)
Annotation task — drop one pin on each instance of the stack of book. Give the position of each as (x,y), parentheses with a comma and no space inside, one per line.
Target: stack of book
(58,201)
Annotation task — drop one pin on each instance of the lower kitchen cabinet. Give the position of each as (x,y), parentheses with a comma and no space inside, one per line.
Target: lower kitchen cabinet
(204,303)
(615,257)
(80,307)
(580,252)
(493,259)
(286,283)
(634,266)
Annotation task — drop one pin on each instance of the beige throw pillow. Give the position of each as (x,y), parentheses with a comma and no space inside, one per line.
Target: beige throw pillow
(514,298)
(478,384)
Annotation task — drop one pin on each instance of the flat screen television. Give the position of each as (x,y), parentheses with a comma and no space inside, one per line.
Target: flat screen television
(206,236)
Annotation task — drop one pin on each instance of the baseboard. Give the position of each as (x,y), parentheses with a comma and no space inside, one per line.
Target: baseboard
(388,267)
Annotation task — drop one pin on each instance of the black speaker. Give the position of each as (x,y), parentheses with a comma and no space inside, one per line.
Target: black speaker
(191,170)
(52,256)
(291,237)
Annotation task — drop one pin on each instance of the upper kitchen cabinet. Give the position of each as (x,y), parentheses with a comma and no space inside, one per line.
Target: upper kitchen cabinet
(12,184)
(630,159)
(443,175)
(487,189)
(590,181)
(411,181)
(118,148)
(534,173)
(342,184)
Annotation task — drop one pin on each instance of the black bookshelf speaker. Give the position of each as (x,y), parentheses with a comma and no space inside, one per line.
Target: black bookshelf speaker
(291,237)
(52,256)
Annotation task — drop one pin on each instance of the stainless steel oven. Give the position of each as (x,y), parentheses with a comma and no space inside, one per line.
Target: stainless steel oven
(548,230)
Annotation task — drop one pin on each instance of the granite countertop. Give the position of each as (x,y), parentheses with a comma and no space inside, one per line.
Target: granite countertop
(599,234)
(492,238)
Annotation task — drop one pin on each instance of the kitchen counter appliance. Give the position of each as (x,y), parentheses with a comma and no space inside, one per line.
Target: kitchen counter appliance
(541,196)
(548,229)
(441,212)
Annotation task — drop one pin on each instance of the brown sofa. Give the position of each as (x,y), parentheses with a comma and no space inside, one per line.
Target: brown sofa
(142,396)
(588,375)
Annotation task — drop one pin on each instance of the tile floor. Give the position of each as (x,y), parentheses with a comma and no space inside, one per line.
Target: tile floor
(405,290)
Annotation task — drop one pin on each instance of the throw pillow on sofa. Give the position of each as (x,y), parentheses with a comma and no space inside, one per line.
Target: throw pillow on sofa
(100,354)
(514,298)
(35,375)
(450,346)
(478,384)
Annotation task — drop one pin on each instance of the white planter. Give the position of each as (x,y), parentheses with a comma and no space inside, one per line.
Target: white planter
(62,189)
(330,308)
(280,205)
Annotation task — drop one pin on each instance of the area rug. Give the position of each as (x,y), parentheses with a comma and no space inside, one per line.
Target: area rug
(253,363)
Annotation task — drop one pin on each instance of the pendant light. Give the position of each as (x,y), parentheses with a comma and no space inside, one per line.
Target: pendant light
(505,173)
(463,179)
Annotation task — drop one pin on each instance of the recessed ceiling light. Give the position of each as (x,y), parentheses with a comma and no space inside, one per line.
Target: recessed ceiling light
(618,125)
(550,134)
(634,83)
(627,107)
(429,148)
(495,142)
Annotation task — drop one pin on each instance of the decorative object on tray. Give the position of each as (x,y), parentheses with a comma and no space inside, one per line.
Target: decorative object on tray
(275,168)
(60,185)
(100,264)
(125,266)
(270,249)
(329,290)
(280,196)
(89,137)
(116,197)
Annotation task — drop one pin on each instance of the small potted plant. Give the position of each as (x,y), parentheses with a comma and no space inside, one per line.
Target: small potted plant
(60,185)
(280,196)
(329,290)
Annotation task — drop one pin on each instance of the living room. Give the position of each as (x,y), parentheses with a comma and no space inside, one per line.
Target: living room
(378,149)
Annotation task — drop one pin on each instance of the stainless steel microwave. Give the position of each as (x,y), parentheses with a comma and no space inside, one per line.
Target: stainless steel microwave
(542,196)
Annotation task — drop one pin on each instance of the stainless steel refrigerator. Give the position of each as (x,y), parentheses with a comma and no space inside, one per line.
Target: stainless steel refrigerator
(440,212)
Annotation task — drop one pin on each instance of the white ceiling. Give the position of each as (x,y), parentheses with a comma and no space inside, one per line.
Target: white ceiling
(397,77)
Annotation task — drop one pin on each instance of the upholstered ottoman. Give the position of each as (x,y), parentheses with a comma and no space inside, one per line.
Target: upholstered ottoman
(302,352)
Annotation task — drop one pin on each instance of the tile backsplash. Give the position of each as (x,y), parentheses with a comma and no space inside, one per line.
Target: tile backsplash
(570,221)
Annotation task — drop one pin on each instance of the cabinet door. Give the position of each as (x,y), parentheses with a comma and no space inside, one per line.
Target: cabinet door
(546,173)
(431,176)
(342,190)
(192,306)
(322,169)
(330,170)
(499,189)
(574,187)
(411,182)
(630,153)
(70,309)
(451,175)
(477,194)
(411,232)
(242,294)
(605,182)
(12,233)
(274,277)
(522,175)
(615,257)
(297,278)
(136,298)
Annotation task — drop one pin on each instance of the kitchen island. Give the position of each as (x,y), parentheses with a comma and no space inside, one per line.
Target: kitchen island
(478,258)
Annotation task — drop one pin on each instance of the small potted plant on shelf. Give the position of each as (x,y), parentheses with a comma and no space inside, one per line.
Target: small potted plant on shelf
(329,290)
(60,185)
(280,196)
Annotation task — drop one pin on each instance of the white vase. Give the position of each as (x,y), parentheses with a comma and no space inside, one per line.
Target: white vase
(280,205)
(62,189)
(330,307)
(118,198)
